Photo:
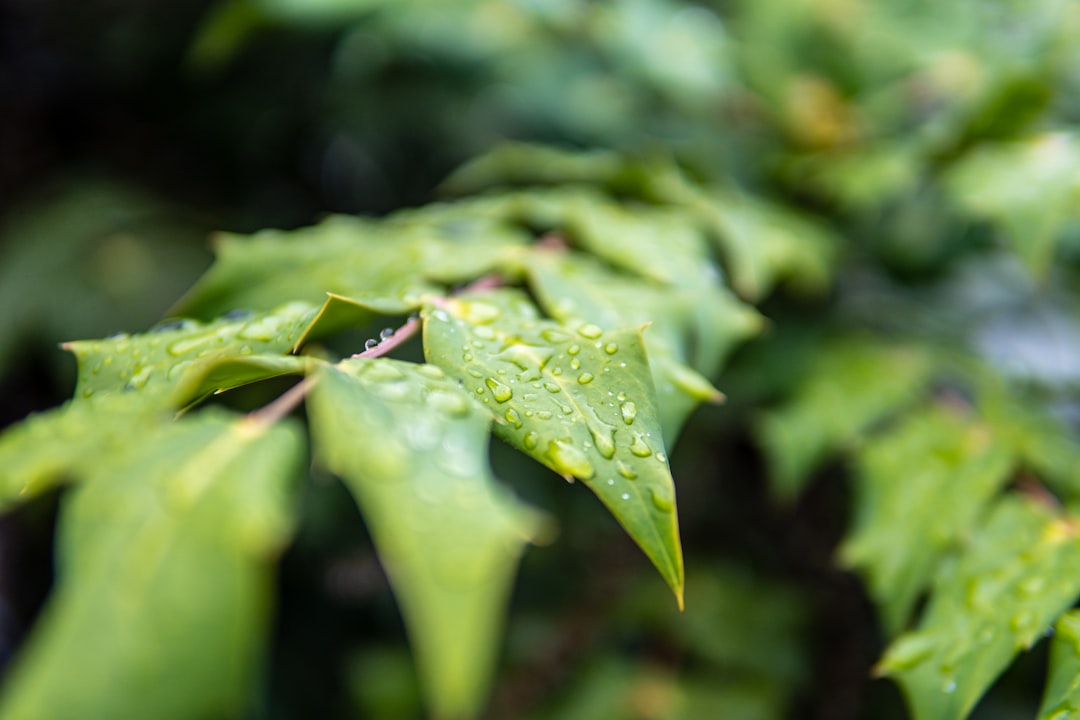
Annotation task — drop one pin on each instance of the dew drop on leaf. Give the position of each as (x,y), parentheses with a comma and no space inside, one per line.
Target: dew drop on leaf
(448,403)
(585,378)
(639,447)
(530,439)
(629,412)
(625,470)
(499,391)
(552,387)
(573,349)
(543,414)
(513,418)
(611,348)
(662,500)
(604,444)
(554,336)
(590,331)
(569,460)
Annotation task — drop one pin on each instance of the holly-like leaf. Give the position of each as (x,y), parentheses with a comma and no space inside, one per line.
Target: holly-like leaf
(852,384)
(397,258)
(164,578)
(995,598)
(1030,189)
(412,447)
(951,466)
(64,443)
(691,328)
(155,363)
(1061,700)
(578,399)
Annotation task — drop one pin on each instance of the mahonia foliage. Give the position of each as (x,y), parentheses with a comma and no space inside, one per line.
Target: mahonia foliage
(576,306)
(578,326)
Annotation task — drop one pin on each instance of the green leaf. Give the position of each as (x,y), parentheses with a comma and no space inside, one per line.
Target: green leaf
(397,257)
(763,243)
(692,328)
(852,384)
(1030,189)
(65,442)
(155,363)
(164,578)
(951,465)
(995,598)
(1061,700)
(578,399)
(412,448)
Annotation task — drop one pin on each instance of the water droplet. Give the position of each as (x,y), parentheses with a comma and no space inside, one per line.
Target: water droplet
(370,343)
(573,349)
(556,371)
(662,500)
(949,685)
(590,331)
(566,409)
(169,325)
(479,312)
(554,336)
(529,397)
(500,392)
(661,457)
(479,390)
(263,329)
(245,349)
(629,412)
(611,348)
(625,470)
(475,373)
(467,356)
(530,440)
(604,442)
(625,496)
(575,364)
(569,460)
(552,387)
(448,403)
(440,315)
(513,418)
(139,379)
(431,371)
(386,333)
(585,378)
(543,414)
(611,481)
(621,396)
(484,332)
(639,447)
(87,393)
(1021,621)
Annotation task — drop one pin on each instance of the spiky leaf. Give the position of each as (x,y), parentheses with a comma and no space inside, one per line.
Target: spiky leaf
(995,598)
(578,399)
(164,578)
(412,447)
(951,466)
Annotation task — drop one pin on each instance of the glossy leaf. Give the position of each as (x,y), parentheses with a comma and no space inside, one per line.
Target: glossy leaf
(1061,700)
(852,384)
(998,596)
(155,363)
(396,258)
(920,488)
(691,328)
(164,578)
(578,399)
(412,447)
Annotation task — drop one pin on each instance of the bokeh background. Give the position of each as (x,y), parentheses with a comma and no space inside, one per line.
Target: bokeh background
(935,140)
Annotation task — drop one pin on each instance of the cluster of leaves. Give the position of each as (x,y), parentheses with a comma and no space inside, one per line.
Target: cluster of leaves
(592,373)
(938,142)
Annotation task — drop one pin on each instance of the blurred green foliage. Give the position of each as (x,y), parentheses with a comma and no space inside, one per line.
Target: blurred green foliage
(893,184)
